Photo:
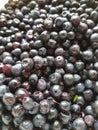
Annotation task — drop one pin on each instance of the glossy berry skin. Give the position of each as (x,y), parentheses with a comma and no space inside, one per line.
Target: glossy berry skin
(88,84)
(94,15)
(56,91)
(6,127)
(39,120)
(94,37)
(53,114)
(67,25)
(76,108)
(68,79)
(74,50)
(45,36)
(27,103)
(41,85)
(44,106)
(77,78)
(18,110)
(3,90)
(21,93)
(95,107)
(9,99)
(69,68)
(75,19)
(87,55)
(38,62)
(33,52)
(89,119)
(2,78)
(66,96)
(60,70)
(38,95)
(16,52)
(46,126)
(79,65)
(65,118)
(89,110)
(59,61)
(26,85)
(65,105)
(52,43)
(55,78)
(16,45)
(80,87)
(59,51)
(6,118)
(48,23)
(96,87)
(54,35)
(33,79)
(1,67)
(96,66)
(88,95)
(59,21)
(82,27)
(26,124)
(42,51)
(7,70)
(63,34)
(27,63)
(95,125)
(80,101)
(79,124)
(50,60)
(37,44)
(18,120)
(14,84)
(92,74)
(16,70)
(49,65)
(56,125)
(89,33)
(26,73)
(8,60)
(35,108)
(24,55)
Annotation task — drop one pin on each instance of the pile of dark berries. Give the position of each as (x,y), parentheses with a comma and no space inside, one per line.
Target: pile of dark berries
(49,65)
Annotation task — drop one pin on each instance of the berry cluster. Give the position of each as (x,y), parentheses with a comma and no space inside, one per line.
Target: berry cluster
(49,65)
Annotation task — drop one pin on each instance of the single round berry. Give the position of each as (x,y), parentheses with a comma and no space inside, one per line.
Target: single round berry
(18,110)
(65,105)
(39,120)
(26,124)
(53,114)
(56,90)
(33,79)
(27,63)
(75,19)
(89,119)
(35,108)
(9,99)
(41,85)
(21,93)
(3,90)
(44,106)
(68,79)
(79,124)
(27,103)
(56,125)
(87,55)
